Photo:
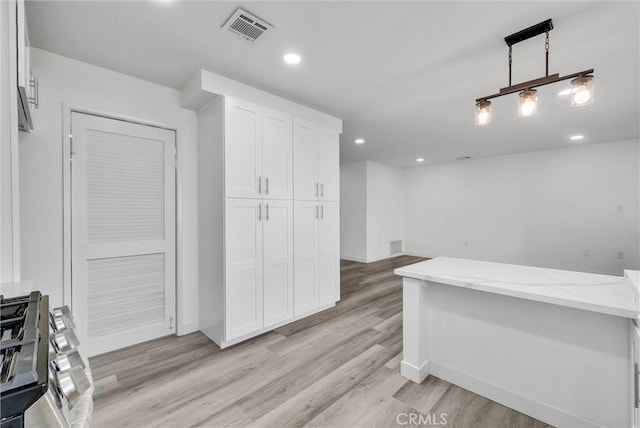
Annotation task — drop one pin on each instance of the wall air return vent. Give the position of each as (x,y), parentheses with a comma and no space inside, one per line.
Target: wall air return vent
(395,247)
(246,25)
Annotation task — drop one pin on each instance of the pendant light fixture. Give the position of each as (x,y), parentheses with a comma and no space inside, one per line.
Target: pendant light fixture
(483,112)
(527,103)
(582,91)
(582,83)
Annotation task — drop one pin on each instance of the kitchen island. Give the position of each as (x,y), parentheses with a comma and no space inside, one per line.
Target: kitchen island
(556,345)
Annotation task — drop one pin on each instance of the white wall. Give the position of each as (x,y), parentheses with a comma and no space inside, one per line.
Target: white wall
(385,208)
(41,168)
(353,211)
(541,209)
(371,210)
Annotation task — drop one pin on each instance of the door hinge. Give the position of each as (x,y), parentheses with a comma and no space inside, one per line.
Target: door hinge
(170,323)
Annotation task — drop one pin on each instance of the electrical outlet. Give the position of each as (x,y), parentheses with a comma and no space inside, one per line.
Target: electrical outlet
(586,252)
(620,255)
(466,243)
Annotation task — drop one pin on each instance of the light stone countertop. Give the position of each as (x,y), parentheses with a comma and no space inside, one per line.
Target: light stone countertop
(607,294)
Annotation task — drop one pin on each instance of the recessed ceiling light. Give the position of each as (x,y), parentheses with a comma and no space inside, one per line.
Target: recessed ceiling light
(359,141)
(576,137)
(420,160)
(292,58)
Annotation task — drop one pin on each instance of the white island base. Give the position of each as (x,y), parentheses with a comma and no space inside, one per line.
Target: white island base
(552,344)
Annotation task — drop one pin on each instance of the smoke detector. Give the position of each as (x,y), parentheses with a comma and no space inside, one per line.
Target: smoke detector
(246,25)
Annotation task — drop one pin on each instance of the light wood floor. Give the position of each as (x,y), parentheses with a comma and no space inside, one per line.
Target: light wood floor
(338,368)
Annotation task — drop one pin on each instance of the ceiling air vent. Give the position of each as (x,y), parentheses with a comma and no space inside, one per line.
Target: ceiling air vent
(246,25)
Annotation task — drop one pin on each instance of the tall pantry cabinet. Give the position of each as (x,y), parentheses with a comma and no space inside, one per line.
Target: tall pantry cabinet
(268,219)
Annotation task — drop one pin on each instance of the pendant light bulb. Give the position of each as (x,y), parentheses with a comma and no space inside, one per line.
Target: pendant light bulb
(527,103)
(583,91)
(483,112)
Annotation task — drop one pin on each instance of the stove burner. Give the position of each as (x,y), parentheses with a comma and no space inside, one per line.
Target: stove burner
(24,330)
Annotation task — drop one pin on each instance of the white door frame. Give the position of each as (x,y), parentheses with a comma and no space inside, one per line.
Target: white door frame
(67,110)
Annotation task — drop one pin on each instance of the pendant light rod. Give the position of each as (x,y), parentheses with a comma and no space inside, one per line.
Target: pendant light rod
(542,81)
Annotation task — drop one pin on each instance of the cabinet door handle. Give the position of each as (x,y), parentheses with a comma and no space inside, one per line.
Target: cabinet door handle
(260,185)
(267,214)
(259,212)
(317,185)
(266,185)
(317,211)
(321,211)
(322,190)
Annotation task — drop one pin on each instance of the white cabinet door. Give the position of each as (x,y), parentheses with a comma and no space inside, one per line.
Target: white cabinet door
(243,266)
(277,155)
(305,160)
(329,165)
(329,253)
(277,236)
(305,233)
(242,149)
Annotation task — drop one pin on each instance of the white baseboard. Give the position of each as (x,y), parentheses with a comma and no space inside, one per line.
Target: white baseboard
(370,260)
(414,254)
(411,372)
(377,259)
(513,400)
(227,343)
(353,259)
(187,328)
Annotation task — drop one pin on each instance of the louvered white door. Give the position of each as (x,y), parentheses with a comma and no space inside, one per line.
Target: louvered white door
(123,232)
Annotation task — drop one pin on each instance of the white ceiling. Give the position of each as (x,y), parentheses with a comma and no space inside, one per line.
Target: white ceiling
(402,75)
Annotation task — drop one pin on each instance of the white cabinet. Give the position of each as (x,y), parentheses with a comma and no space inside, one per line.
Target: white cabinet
(317,255)
(243,267)
(328,165)
(277,233)
(268,241)
(27,84)
(305,234)
(316,162)
(277,155)
(328,253)
(258,151)
(305,160)
(259,265)
(242,149)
